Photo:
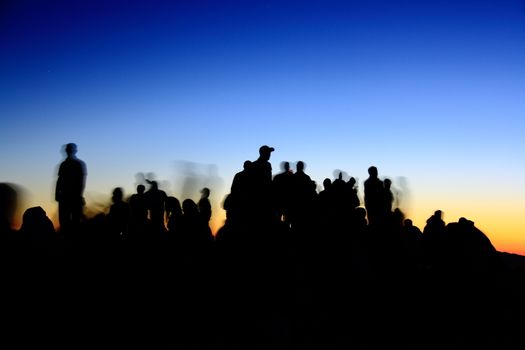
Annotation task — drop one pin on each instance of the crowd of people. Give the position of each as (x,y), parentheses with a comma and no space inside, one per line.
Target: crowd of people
(290,265)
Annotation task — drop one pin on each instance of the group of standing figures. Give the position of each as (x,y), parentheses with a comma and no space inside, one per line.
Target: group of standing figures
(262,206)
(292,198)
(146,213)
(290,265)
(256,196)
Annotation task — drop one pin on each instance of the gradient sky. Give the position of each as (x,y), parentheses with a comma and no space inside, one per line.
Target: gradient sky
(430,92)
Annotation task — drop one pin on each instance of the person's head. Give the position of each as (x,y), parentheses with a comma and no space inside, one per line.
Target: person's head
(71,149)
(247,165)
(326,183)
(205,192)
(118,194)
(265,152)
(300,166)
(408,223)
(189,207)
(387,183)
(141,189)
(372,171)
(285,166)
(173,205)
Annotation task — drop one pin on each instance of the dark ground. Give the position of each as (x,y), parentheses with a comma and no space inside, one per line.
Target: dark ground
(224,297)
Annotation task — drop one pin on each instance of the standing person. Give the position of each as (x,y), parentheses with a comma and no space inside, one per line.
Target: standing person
(138,206)
(205,205)
(282,193)
(119,214)
(374,190)
(262,181)
(303,197)
(69,192)
(262,167)
(239,204)
(388,197)
(156,200)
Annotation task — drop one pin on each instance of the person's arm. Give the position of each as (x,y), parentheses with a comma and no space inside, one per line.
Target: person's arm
(58,187)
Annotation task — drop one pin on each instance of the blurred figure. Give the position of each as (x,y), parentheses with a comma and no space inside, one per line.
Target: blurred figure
(119,213)
(37,230)
(282,192)
(69,192)
(205,205)
(173,215)
(8,204)
(388,196)
(304,195)
(352,192)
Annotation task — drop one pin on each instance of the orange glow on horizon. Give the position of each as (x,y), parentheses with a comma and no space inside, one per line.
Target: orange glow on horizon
(500,224)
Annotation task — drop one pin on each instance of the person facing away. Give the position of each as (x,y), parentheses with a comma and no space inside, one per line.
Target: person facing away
(69,191)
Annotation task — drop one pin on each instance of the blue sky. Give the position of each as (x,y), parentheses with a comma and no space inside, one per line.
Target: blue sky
(431,92)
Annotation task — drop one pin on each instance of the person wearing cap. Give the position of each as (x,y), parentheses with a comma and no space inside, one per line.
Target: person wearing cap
(262,185)
(262,166)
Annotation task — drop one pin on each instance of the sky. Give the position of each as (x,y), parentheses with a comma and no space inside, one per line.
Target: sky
(183,92)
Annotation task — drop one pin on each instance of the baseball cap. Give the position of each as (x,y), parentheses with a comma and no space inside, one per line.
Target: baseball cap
(266,149)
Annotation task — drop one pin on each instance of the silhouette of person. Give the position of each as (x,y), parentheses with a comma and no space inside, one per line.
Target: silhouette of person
(156,201)
(205,205)
(69,192)
(262,167)
(388,196)
(8,205)
(352,191)
(282,192)
(435,238)
(138,211)
(242,181)
(195,230)
(174,214)
(373,196)
(37,229)
(303,195)
(119,213)
(239,205)
(262,195)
